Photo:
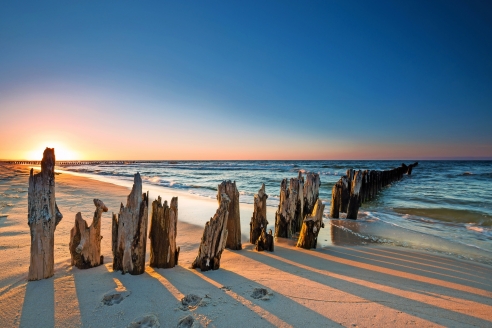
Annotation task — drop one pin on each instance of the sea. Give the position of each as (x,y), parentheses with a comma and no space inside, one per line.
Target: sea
(443,207)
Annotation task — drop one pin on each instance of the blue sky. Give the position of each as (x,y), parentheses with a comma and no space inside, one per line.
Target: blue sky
(256,79)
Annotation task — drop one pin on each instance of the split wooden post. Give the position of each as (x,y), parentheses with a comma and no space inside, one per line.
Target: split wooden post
(162,235)
(85,241)
(234,220)
(311,192)
(353,206)
(308,238)
(258,220)
(214,238)
(289,212)
(129,231)
(43,217)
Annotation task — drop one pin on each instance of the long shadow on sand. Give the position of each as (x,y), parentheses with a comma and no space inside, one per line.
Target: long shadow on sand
(393,300)
(38,309)
(233,292)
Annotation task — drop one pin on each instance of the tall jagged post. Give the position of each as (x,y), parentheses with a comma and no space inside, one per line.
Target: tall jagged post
(234,220)
(43,217)
(163,231)
(336,194)
(129,231)
(214,238)
(311,192)
(258,220)
(85,241)
(290,209)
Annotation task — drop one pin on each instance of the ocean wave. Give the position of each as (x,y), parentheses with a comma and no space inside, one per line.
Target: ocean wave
(449,215)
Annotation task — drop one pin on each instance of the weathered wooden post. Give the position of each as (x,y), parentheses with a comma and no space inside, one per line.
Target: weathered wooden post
(43,217)
(336,194)
(258,220)
(233,221)
(214,238)
(311,192)
(345,193)
(129,231)
(163,230)
(290,207)
(353,206)
(85,241)
(308,238)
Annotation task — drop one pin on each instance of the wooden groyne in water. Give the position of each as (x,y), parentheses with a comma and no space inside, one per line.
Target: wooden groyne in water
(358,187)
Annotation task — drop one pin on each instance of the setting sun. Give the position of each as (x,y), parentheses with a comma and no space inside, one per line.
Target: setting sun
(61,152)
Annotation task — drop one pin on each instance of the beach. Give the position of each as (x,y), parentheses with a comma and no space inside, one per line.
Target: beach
(347,282)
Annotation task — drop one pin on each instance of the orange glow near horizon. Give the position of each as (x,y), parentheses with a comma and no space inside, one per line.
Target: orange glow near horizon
(62,153)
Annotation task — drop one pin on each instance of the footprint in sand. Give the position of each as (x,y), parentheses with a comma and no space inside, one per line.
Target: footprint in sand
(115,297)
(186,322)
(191,301)
(146,321)
(261,293)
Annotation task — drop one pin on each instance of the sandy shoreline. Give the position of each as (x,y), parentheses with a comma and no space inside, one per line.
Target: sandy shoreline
(361,286)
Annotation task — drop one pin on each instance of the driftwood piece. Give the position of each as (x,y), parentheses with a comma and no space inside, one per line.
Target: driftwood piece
(85,241)
(214,238)
(258,220)
(310,193)
(265,241)
(290,208)
(308,238)
(129,231)
(163,230)
(234,220)
(353,206)
(43,217)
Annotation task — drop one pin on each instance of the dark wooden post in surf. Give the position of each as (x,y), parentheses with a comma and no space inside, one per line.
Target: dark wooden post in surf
(214,238)
(43,217)
(234,220)
(85,241)
(129,231)
(258,220)
(353,206)
(336,194)
(308,238)
(345,192)
(289,212)
(162,235)
(265,241)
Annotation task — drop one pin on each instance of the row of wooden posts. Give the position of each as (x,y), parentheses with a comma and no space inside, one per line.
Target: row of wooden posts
(129,226)
(358,187)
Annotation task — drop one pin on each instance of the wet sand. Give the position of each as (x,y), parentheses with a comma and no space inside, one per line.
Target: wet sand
(344,284)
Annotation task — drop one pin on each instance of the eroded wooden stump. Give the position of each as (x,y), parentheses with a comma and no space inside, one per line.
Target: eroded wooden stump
(129,231)
(163,231)
(258,220)
(265,241)
(85,241)
(214,238)
(234,220)
(308,238)
(311,192)
(43,217)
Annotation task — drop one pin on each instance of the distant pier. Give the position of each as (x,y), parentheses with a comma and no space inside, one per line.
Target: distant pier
(72,163)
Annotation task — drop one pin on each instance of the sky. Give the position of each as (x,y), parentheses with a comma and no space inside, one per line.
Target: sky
(246,79)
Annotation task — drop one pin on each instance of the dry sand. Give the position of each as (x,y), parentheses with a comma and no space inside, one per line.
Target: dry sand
(351,286)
